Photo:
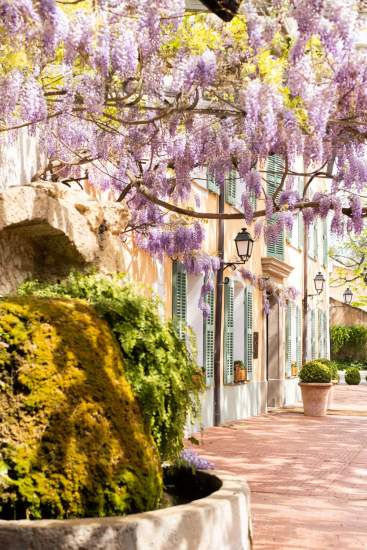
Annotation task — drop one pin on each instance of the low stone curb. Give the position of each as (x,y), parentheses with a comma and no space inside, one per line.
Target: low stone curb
(221,521)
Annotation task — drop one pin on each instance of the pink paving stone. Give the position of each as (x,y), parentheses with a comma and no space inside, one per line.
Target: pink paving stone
(308,476)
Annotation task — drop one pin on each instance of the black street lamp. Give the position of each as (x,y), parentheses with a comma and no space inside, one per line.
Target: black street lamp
(244,245)
(319,281)
(348,296)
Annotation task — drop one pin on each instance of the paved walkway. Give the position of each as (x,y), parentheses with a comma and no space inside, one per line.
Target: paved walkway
(308,476)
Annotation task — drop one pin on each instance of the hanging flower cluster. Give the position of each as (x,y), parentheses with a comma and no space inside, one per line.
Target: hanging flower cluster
(144,94)
(269,289)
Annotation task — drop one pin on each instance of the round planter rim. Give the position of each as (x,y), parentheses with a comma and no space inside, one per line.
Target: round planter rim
(322,384)
(232,485)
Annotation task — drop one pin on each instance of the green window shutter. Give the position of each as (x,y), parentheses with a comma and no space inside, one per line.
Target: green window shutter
(326,333)
(209,340)
(298,337)
(231,187)
(228,332)
(320,339)
(325,244)
(274,169)
(315,239)
(288,340)
(253,200)
(313,335)
(179,298)
(211,183)
(249,362)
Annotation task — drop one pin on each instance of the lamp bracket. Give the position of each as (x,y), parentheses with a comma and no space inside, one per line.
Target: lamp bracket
(231,264)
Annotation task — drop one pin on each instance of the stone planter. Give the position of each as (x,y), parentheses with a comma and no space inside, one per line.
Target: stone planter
(220,521)
(315,398)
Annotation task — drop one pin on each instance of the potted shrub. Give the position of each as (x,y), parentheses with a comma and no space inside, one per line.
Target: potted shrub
(294,369)
(240,372)
(352,376)
(315,383)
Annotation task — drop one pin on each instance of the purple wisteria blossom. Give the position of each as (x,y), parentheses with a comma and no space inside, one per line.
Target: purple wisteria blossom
(191,459)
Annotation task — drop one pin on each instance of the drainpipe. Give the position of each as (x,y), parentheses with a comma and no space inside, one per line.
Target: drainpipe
(305,295)
(218,318)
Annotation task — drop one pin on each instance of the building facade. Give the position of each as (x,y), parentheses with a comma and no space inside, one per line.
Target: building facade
(71,228)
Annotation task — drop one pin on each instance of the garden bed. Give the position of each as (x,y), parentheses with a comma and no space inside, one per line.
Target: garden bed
(220,521)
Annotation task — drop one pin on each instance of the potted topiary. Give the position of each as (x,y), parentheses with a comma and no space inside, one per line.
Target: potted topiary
(334,377)
(352,376)
(240,372)
(315,383)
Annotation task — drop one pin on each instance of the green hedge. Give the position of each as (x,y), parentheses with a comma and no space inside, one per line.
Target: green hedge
(315,372)
(348,343)
(352,376)
(159,366)
(72,437)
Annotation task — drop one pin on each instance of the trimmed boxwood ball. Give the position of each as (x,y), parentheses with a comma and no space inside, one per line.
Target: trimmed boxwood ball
(72,438)
(315,372)
(352,376)
(332,366)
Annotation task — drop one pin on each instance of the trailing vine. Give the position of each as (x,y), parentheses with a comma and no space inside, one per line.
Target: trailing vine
(159,366)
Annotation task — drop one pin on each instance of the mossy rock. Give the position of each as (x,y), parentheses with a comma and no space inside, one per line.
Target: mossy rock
(72,440)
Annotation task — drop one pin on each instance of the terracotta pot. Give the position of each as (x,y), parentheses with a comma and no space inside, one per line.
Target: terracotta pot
(240,375)
(315,398)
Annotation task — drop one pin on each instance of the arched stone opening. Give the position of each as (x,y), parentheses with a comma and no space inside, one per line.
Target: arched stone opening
(42,235)
(35,250)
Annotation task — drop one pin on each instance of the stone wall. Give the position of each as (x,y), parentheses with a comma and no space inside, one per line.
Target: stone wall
(46,230)
(343,314)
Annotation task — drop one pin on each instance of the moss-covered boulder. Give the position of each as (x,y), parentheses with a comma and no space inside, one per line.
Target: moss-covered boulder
(72,440)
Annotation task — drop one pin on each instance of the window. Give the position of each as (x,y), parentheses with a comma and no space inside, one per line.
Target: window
(275,169)
(288,340)
(313,335)
(298,337)
(325,244)
(209,340)
(228,332)
(179,298)
(231,187)
(248,332)
(211,183)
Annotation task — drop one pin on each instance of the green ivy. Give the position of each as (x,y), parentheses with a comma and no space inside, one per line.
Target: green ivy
(159,366)
(341,335)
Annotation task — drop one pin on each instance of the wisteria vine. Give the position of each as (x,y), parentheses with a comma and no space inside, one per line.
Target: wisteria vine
(143,93)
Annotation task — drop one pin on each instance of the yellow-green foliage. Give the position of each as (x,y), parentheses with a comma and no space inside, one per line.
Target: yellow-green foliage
(72,440)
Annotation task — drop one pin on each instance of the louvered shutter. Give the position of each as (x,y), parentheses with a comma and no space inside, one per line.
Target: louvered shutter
(211,183)
(325,244)
(179,298)
(228,332)
(253,200)
(231,187)
(313,335)
(320,339)
(298,337)
(315,239)
(288,340)
(209,340)
(274,172)
(249,362)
